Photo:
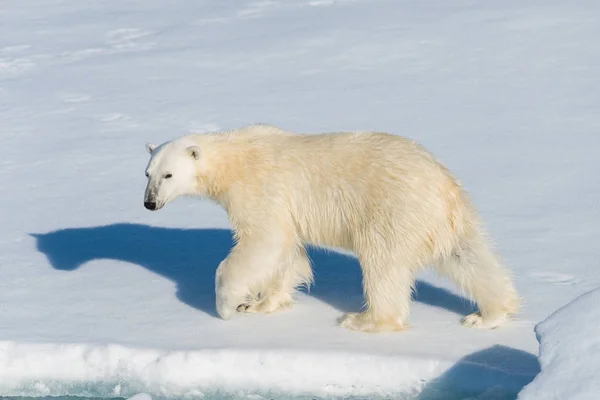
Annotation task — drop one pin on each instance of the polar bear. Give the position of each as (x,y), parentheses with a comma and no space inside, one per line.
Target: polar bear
(378,195)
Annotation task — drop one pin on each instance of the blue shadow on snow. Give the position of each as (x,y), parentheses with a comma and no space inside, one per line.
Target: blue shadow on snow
(496,373)
(189,257)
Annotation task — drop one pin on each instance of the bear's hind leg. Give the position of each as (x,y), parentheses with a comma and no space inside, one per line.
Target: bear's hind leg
(387,286)
(477,271)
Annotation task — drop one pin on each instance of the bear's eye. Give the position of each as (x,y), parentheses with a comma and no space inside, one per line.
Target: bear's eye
(167,176)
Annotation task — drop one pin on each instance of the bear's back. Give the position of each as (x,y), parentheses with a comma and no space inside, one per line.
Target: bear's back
(335,182)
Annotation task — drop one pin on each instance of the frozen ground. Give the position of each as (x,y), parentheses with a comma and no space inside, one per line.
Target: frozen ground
(99,296)
(569,349)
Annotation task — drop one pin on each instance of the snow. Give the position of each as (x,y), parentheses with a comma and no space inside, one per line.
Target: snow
(100,297)
(569,346)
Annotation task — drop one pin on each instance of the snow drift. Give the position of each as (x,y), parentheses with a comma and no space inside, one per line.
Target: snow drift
(569,352)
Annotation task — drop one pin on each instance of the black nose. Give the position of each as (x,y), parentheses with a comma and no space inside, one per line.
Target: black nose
(150,205)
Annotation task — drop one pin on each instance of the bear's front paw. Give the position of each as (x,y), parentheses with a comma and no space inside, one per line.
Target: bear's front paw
(267,304)
(227,304)
(225,311)
(365,322)
(229,295)
(245,307)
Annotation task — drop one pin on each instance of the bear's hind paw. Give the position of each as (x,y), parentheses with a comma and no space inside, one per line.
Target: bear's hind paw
(476,320)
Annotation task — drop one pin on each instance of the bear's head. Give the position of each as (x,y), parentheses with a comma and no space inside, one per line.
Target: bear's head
(171,172)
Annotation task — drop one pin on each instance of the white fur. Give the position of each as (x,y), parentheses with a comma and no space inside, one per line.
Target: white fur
(381,196)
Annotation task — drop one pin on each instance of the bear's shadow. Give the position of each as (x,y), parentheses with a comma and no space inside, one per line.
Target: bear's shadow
(189,258)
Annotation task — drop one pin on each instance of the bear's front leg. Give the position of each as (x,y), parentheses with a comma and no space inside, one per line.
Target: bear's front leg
(248,270)
(229,292)
(387,284)
(268,302)
(277,295)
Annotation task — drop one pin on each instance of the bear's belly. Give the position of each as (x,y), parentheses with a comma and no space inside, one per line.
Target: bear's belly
(326,231)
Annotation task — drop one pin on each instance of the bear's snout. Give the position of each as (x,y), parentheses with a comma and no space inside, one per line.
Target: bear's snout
(150,205)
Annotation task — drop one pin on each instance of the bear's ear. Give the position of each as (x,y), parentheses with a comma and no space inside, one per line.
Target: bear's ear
(194,152)
(150,147)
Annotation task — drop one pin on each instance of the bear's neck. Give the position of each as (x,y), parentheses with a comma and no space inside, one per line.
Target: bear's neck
(230,166)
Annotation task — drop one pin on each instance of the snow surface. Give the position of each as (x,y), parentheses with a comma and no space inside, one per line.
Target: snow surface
(100,297)
(569,352)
